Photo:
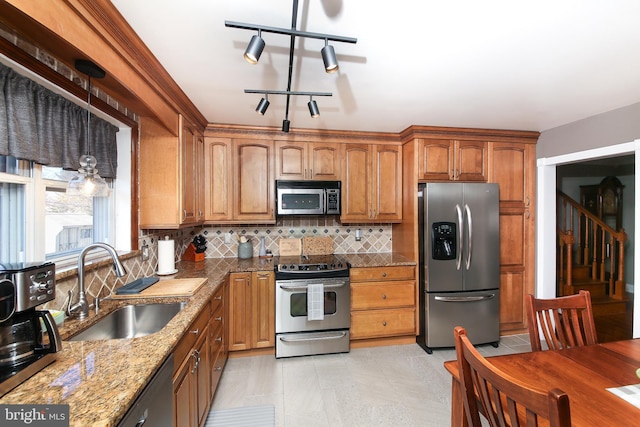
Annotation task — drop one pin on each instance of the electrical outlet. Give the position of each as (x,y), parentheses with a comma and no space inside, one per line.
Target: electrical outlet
(227,238)
(145,252)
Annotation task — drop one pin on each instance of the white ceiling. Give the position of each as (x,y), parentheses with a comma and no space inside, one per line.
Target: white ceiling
(504,64)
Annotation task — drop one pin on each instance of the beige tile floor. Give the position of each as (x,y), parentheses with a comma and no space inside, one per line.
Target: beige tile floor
(379,386)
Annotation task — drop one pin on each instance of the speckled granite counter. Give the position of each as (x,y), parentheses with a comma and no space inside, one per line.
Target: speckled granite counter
(101,379)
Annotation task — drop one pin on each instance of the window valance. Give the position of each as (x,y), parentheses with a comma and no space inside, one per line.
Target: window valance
(39,125)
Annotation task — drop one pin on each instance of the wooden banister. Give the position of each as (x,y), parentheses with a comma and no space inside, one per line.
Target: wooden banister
(595,243)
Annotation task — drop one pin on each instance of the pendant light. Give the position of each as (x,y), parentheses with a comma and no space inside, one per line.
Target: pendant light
(88,182)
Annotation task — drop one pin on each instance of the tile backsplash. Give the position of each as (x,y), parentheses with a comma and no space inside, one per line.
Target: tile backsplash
(101,281)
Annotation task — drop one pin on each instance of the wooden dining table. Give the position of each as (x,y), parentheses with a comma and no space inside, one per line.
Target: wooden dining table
(584,373)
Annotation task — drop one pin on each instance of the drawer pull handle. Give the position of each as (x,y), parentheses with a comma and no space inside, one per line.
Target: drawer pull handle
(196,332)
(384,296)
(219,339)
(218,298)
(219,318)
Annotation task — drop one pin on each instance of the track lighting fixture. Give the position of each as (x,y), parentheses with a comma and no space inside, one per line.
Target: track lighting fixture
(254,49)
(263,105)
(329,58)
(313,108)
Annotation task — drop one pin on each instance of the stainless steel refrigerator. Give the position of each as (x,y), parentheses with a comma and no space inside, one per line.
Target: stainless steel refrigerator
(459,263)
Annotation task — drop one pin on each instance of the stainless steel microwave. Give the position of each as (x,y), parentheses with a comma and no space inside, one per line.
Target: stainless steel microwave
(308,197)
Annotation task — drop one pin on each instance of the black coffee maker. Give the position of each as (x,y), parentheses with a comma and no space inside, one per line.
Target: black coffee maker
(29,338)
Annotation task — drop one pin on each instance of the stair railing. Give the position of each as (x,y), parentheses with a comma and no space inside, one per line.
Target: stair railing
(598,246)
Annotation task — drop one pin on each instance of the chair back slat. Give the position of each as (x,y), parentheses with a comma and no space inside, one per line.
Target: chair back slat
(502,399)
(563,322)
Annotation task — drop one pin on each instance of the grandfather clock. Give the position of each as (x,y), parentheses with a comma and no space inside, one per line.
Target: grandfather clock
(604,200)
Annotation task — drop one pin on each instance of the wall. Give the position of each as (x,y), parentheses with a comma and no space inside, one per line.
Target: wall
(612,133)
(610,128)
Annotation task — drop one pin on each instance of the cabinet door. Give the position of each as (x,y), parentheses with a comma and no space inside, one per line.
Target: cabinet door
(202,375)
(435,159)
(218,178)
(387,184)
(470,161)
(291,160)
(263,309)
(512,166)
(356,182)
(189,175)
(254,184)
(239,311)
(200,176)
(323,161)
(184,396)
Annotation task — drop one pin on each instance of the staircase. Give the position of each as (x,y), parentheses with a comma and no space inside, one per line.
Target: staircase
(590,257)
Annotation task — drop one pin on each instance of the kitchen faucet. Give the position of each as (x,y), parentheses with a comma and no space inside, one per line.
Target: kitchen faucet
(81,309)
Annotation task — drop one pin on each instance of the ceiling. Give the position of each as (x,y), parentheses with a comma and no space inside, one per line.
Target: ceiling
(499,64)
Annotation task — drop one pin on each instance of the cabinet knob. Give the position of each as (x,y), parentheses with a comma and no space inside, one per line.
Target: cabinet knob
(218,298)
(219,318)
(384,296)
(384,274)
(196,332)
(218,368)
(219,339)
(384,323)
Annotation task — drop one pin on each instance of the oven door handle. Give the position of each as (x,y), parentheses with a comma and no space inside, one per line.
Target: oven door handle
(304,287)
(324,336)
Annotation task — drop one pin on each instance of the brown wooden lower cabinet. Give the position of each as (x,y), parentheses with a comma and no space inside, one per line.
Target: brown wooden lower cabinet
(383,302)
(199,359)
(251,310)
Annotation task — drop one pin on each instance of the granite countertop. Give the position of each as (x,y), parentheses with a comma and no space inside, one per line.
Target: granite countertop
(99,380)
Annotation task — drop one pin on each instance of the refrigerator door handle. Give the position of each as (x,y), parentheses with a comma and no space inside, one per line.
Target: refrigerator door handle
(460,237)
(465,299)
(470,233)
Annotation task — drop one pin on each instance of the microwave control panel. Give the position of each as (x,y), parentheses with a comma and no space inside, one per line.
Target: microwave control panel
(333,201)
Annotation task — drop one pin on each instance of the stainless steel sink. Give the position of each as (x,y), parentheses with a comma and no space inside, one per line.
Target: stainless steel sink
(131,321)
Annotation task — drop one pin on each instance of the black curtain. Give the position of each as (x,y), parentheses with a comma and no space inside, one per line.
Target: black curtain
(39,125)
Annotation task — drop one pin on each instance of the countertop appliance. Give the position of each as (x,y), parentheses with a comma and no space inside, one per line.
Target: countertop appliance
(25,349)
(313,305)
(459,242)
(308,197)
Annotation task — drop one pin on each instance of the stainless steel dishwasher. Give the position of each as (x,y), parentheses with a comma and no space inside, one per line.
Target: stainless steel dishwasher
(154,407)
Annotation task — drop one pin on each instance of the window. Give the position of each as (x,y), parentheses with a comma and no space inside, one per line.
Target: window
(62,224)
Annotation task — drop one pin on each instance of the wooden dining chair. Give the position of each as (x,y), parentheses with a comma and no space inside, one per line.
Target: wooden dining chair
(502,399)
(564,321)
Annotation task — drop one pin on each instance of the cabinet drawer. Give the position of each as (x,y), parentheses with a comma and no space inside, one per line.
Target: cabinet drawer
(382,323)
(382,295)
(216,301)
(398,272)
(196,329)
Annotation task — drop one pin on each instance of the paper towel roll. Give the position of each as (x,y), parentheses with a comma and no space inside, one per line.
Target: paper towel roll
(166,257)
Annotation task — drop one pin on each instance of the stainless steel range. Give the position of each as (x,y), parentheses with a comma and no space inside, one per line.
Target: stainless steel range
(313,303)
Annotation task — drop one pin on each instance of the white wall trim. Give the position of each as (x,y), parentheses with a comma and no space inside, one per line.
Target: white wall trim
(546,214)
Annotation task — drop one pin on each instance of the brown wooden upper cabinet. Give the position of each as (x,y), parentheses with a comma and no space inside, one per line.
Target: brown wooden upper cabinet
(371,183)
(307,161)
(254,184)
(452,160)
(218,179)
(171,170)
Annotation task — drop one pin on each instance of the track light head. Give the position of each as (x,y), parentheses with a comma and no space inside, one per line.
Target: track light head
(285,125)
(254,49)
(313,108)
(262,106)
(329,58)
